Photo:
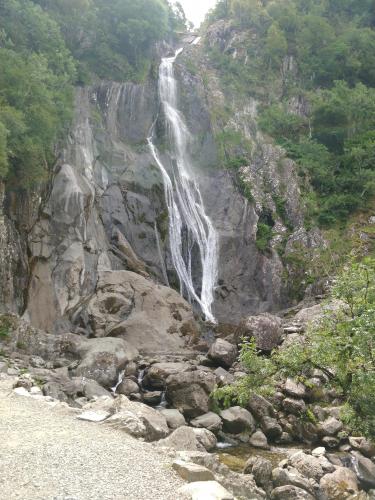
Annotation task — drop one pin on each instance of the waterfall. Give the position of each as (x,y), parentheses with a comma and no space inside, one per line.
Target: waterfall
(184,201)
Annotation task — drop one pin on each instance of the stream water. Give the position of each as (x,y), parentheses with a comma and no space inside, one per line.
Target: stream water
(190,228)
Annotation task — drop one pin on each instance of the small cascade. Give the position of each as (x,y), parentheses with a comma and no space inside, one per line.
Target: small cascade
(189,224)
(163,402)
(141,375)
(121,376)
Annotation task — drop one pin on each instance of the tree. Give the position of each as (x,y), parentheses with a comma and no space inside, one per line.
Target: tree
(276,46)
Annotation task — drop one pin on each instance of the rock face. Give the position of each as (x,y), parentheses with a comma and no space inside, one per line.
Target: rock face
(190,392)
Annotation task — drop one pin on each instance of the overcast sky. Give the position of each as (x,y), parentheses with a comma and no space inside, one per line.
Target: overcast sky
(195,10)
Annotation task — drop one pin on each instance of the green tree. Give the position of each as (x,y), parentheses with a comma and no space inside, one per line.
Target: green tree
(276,46)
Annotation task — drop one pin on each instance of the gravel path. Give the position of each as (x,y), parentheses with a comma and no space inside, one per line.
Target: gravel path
(47,454)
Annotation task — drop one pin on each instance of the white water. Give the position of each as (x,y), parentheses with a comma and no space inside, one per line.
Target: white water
(184,201)
(119,380)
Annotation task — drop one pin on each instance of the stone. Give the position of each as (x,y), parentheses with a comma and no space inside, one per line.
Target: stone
(294,406)
(237,420)
(36,391)
(294,389)
(340,484)
(206,438)
(259,440)
(260,407)
(309,466)
(364,469)
(128,422)
(290,493)
(271,428)
(261,469)
(330,442)
(318,452)
(156,376)
(264,328)
(205,490)
(127,387)
(174,418)
(223,353)
(21,391)
(182,439)
(152,397)
(290,476)
(92,389)
(210,421)
(190,392)
(331,426)
(191,472)
(362,445)
(94,416)
(223,377)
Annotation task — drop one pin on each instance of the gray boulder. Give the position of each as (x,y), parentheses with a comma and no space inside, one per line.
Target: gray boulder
(264,328)
(290,476)
(210,421)
(127,387)
(364,469)
(295,389)
(223,377)
(271,428)
(331,426)
(362,445)
(152,397)
(260,407)
(237,420)
(182,439)
(340,484)
(309,466)
(294,406)
(204,490)
(261,469)
(290,493)
(223,353)
(174,418)
(205,438)
(190,392)
(156,376)
(259,440)
(191,472)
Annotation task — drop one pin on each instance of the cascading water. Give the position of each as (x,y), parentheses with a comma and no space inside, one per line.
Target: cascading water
(184,201)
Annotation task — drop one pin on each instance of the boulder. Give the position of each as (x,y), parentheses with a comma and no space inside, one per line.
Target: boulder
(206,438)
(174,418)
(103,359)
(205,490)
(309,466)
(331,426)
(223,377)
(183,438)
(294,406)
(330,442)
(127,387)
(271,428)
(223,353)
(264,328)
(156,376)
(92,389)
(261,469)
(210,421)
(290,476)
(290,493)
(190,392)
(294,389)
(260,407)
(340,484)
(128,422)
(191,472)
(237,420)
(152,397)
(362,445)
(259,440)
(364,469)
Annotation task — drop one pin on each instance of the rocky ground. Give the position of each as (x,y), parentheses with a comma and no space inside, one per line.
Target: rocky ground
(165,399)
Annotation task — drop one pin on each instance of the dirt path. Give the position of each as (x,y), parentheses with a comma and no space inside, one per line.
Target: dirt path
(47,454)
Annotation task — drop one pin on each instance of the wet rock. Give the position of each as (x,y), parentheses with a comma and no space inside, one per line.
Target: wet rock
(204,490)
(364,469)
(205,438)
(156,376)
(271,428)
(191,472)
(127,387)
(331,426)
(290,493)
(291,476)
(259,440)
(265,328)
(261,469)
(294,406)
(223,377)
(223,353)
(174,418)
(190,392)
(362,445)
(295,389)
(152,397)
(309,466)
(260,407)
(210,421)
(237,420)
(340,484)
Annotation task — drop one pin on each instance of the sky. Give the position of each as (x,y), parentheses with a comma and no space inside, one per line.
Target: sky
(195,10)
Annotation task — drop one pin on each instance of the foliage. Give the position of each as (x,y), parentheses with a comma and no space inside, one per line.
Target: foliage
(263,237)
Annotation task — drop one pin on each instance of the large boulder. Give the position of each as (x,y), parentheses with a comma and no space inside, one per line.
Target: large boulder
(291,476)
(104,358)
(309,466)
(271,428)
(260,407)
(264,328)
(148,316)
(205,490)
(340,484)
(182,439)
(223,353)
(206,438)
(261,469)
(295,389)
(190,392)
(259,440)
(331,426)
(237,420)
(362,445)
(210,421)
(191,472)
(174,418)
(290,493)
(364,469)
(158,373)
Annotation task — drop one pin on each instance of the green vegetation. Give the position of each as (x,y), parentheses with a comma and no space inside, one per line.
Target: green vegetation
(320,53)
(342,346)
(47,47)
